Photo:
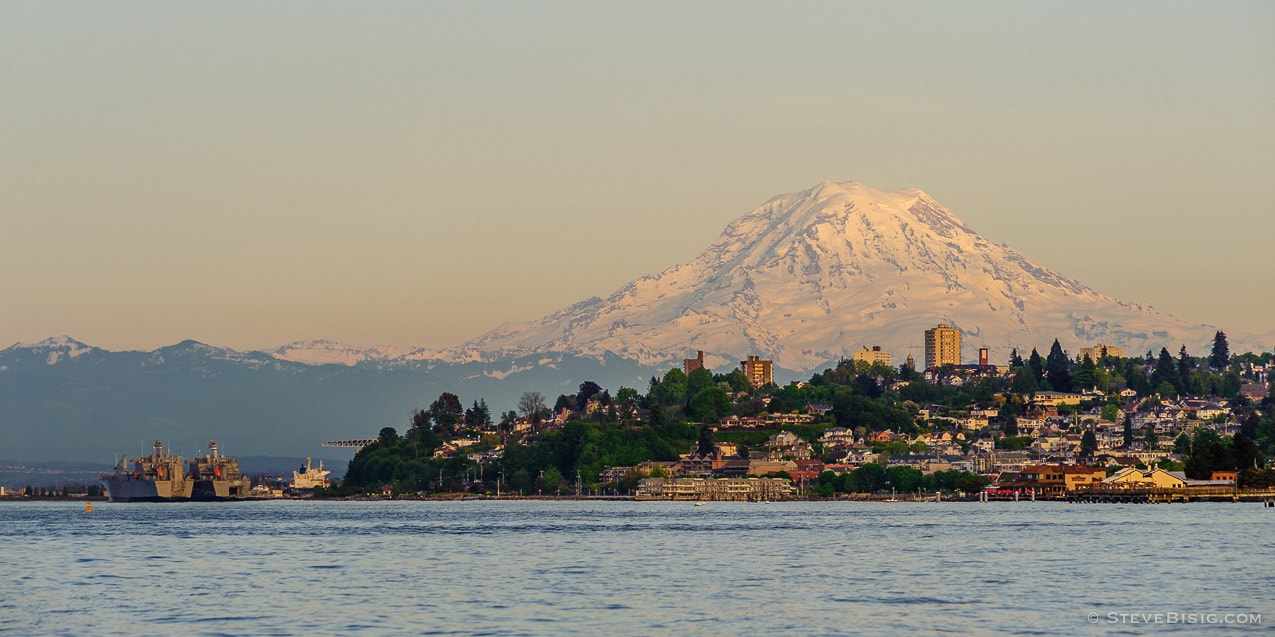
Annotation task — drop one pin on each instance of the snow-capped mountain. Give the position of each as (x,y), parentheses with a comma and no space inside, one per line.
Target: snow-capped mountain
(811,277)
(324,352)
(52,350)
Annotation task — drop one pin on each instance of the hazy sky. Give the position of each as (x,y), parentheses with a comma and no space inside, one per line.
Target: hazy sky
(416,173)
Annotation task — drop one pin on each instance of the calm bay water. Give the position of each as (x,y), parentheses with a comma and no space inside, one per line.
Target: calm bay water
(296,567)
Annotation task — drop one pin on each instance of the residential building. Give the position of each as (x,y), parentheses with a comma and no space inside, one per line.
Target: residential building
(1056,398)
(1097,352)
(942,346)
(758,372)
(874,355)
(1255,392)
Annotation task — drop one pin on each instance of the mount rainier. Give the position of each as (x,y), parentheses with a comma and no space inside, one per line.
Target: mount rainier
(810,277)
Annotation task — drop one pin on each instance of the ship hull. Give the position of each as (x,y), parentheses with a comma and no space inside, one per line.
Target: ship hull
(220,490)
(130,490)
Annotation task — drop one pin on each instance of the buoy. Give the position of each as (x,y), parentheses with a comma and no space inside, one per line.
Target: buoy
(88,507)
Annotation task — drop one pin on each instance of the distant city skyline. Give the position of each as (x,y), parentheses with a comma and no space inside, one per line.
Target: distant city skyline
(415,175)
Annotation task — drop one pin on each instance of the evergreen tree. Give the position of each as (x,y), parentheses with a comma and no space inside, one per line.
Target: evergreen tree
(1009,420)
(1128,430)
(1182,444)
(705,445)
(478,416)
(1058,368)
(1185,367)
(1221,352)
(1024,383)
(1037,366)
(1165,371)
(1014,359)
(1088,444)
(1086,374)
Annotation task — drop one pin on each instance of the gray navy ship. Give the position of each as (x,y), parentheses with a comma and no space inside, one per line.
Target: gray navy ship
(164,477)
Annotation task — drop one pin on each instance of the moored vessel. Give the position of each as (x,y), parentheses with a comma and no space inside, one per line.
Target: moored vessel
(166,477)
(305,480)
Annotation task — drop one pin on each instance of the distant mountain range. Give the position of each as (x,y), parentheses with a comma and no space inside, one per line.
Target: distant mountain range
(805,280)
(62,400)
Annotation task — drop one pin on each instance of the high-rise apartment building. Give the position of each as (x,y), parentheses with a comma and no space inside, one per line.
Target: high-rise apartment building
(757,371)
(942,346)
(874,355)
(1100,350)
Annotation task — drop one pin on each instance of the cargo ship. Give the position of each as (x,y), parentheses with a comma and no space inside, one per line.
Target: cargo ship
(306,479)
(165,477)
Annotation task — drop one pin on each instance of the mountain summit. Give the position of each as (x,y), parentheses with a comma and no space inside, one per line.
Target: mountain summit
(811,277)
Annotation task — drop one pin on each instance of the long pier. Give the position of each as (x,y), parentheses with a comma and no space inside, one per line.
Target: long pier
(1158,496)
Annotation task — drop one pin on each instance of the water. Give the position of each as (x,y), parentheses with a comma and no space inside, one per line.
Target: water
(548,568)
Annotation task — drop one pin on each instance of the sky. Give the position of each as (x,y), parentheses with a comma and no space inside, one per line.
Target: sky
(417,173)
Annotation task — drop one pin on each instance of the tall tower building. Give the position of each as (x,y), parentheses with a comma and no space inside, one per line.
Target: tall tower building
(691,364)
(757,371)
(942,346)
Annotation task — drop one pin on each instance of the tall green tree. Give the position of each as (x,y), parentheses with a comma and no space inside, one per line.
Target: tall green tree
(1058,368)
(710,405)
(1024,383)
(1185,366)
(626,402)
(1221,354)
(671,390)
(446,412)
(588,389)
(1128,430)
(388,436)
(478,416)
(1165,372)
(1037,366)
(1086,374)
(697,381)
(1182,444)
(1014,359)
(704,446)
(1088,444)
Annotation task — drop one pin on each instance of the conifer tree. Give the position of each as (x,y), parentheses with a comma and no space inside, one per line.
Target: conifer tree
(1037,366)
(1185,366)
(1165,371)
(1058,368)
(1088,443)
(1221,354)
